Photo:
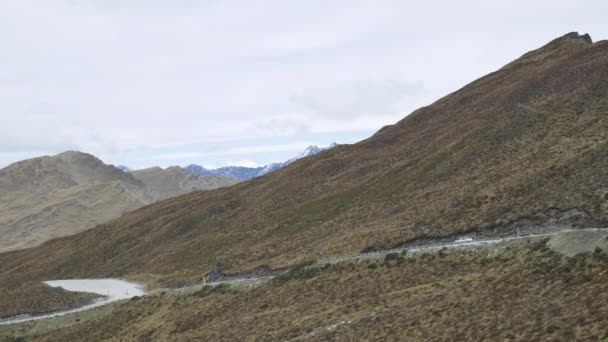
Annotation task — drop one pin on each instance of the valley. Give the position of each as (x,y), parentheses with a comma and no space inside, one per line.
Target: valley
(473,160)
(480,216)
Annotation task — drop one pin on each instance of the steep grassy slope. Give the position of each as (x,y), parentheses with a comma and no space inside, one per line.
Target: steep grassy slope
(173,181)
(519,146)
(521,294)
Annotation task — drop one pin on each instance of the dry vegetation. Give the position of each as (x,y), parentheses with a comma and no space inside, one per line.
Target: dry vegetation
(39,298)
(523,142)
(524,293)
(49,197)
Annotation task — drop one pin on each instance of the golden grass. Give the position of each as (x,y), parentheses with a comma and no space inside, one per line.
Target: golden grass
(528,293)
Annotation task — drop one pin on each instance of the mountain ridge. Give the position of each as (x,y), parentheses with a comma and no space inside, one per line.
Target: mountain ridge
(502,151)
(53,196)
(243,173)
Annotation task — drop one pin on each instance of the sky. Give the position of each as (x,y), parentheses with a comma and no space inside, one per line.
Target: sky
(173,82)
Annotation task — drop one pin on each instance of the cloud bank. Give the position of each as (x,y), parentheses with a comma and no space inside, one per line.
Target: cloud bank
(160,82)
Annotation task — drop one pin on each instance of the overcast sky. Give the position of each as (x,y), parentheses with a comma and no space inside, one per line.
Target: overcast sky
(174,82)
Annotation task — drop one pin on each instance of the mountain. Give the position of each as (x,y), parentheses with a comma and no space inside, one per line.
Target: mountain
(308,152)
(240,173)
(245,173)
(49,197)
(524,146)
(173,181)
(123,168)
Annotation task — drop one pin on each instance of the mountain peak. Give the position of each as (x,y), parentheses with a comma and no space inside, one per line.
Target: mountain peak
(309,151)
(556,50)
(314,149)
(245,173)
(585,38)
(572,41)
(71,155)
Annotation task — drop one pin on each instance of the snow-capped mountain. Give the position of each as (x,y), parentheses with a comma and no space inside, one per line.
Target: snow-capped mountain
(123,168)
(243,173)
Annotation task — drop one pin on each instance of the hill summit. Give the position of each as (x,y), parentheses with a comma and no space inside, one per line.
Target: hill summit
(48,197)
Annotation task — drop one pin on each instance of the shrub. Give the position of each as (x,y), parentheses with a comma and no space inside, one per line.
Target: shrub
(210,290)
(16,339)
(540,246)
(600,255)
(391,256)
(297,273)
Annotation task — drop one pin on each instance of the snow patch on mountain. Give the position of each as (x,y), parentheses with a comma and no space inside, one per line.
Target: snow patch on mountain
(123,168)
(243,173)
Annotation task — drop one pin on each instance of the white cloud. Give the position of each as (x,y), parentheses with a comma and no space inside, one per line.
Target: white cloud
(359,98)
(283,126)
(243,162)
(132,79)
(231,151)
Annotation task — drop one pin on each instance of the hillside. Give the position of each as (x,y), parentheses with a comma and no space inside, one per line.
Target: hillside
(525,145)
(523,294)
(165,183)
(49,197)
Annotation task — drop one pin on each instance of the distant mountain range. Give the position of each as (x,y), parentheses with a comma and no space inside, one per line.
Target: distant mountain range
(243,173)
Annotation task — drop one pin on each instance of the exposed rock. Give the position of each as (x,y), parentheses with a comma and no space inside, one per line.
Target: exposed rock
(583,38)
